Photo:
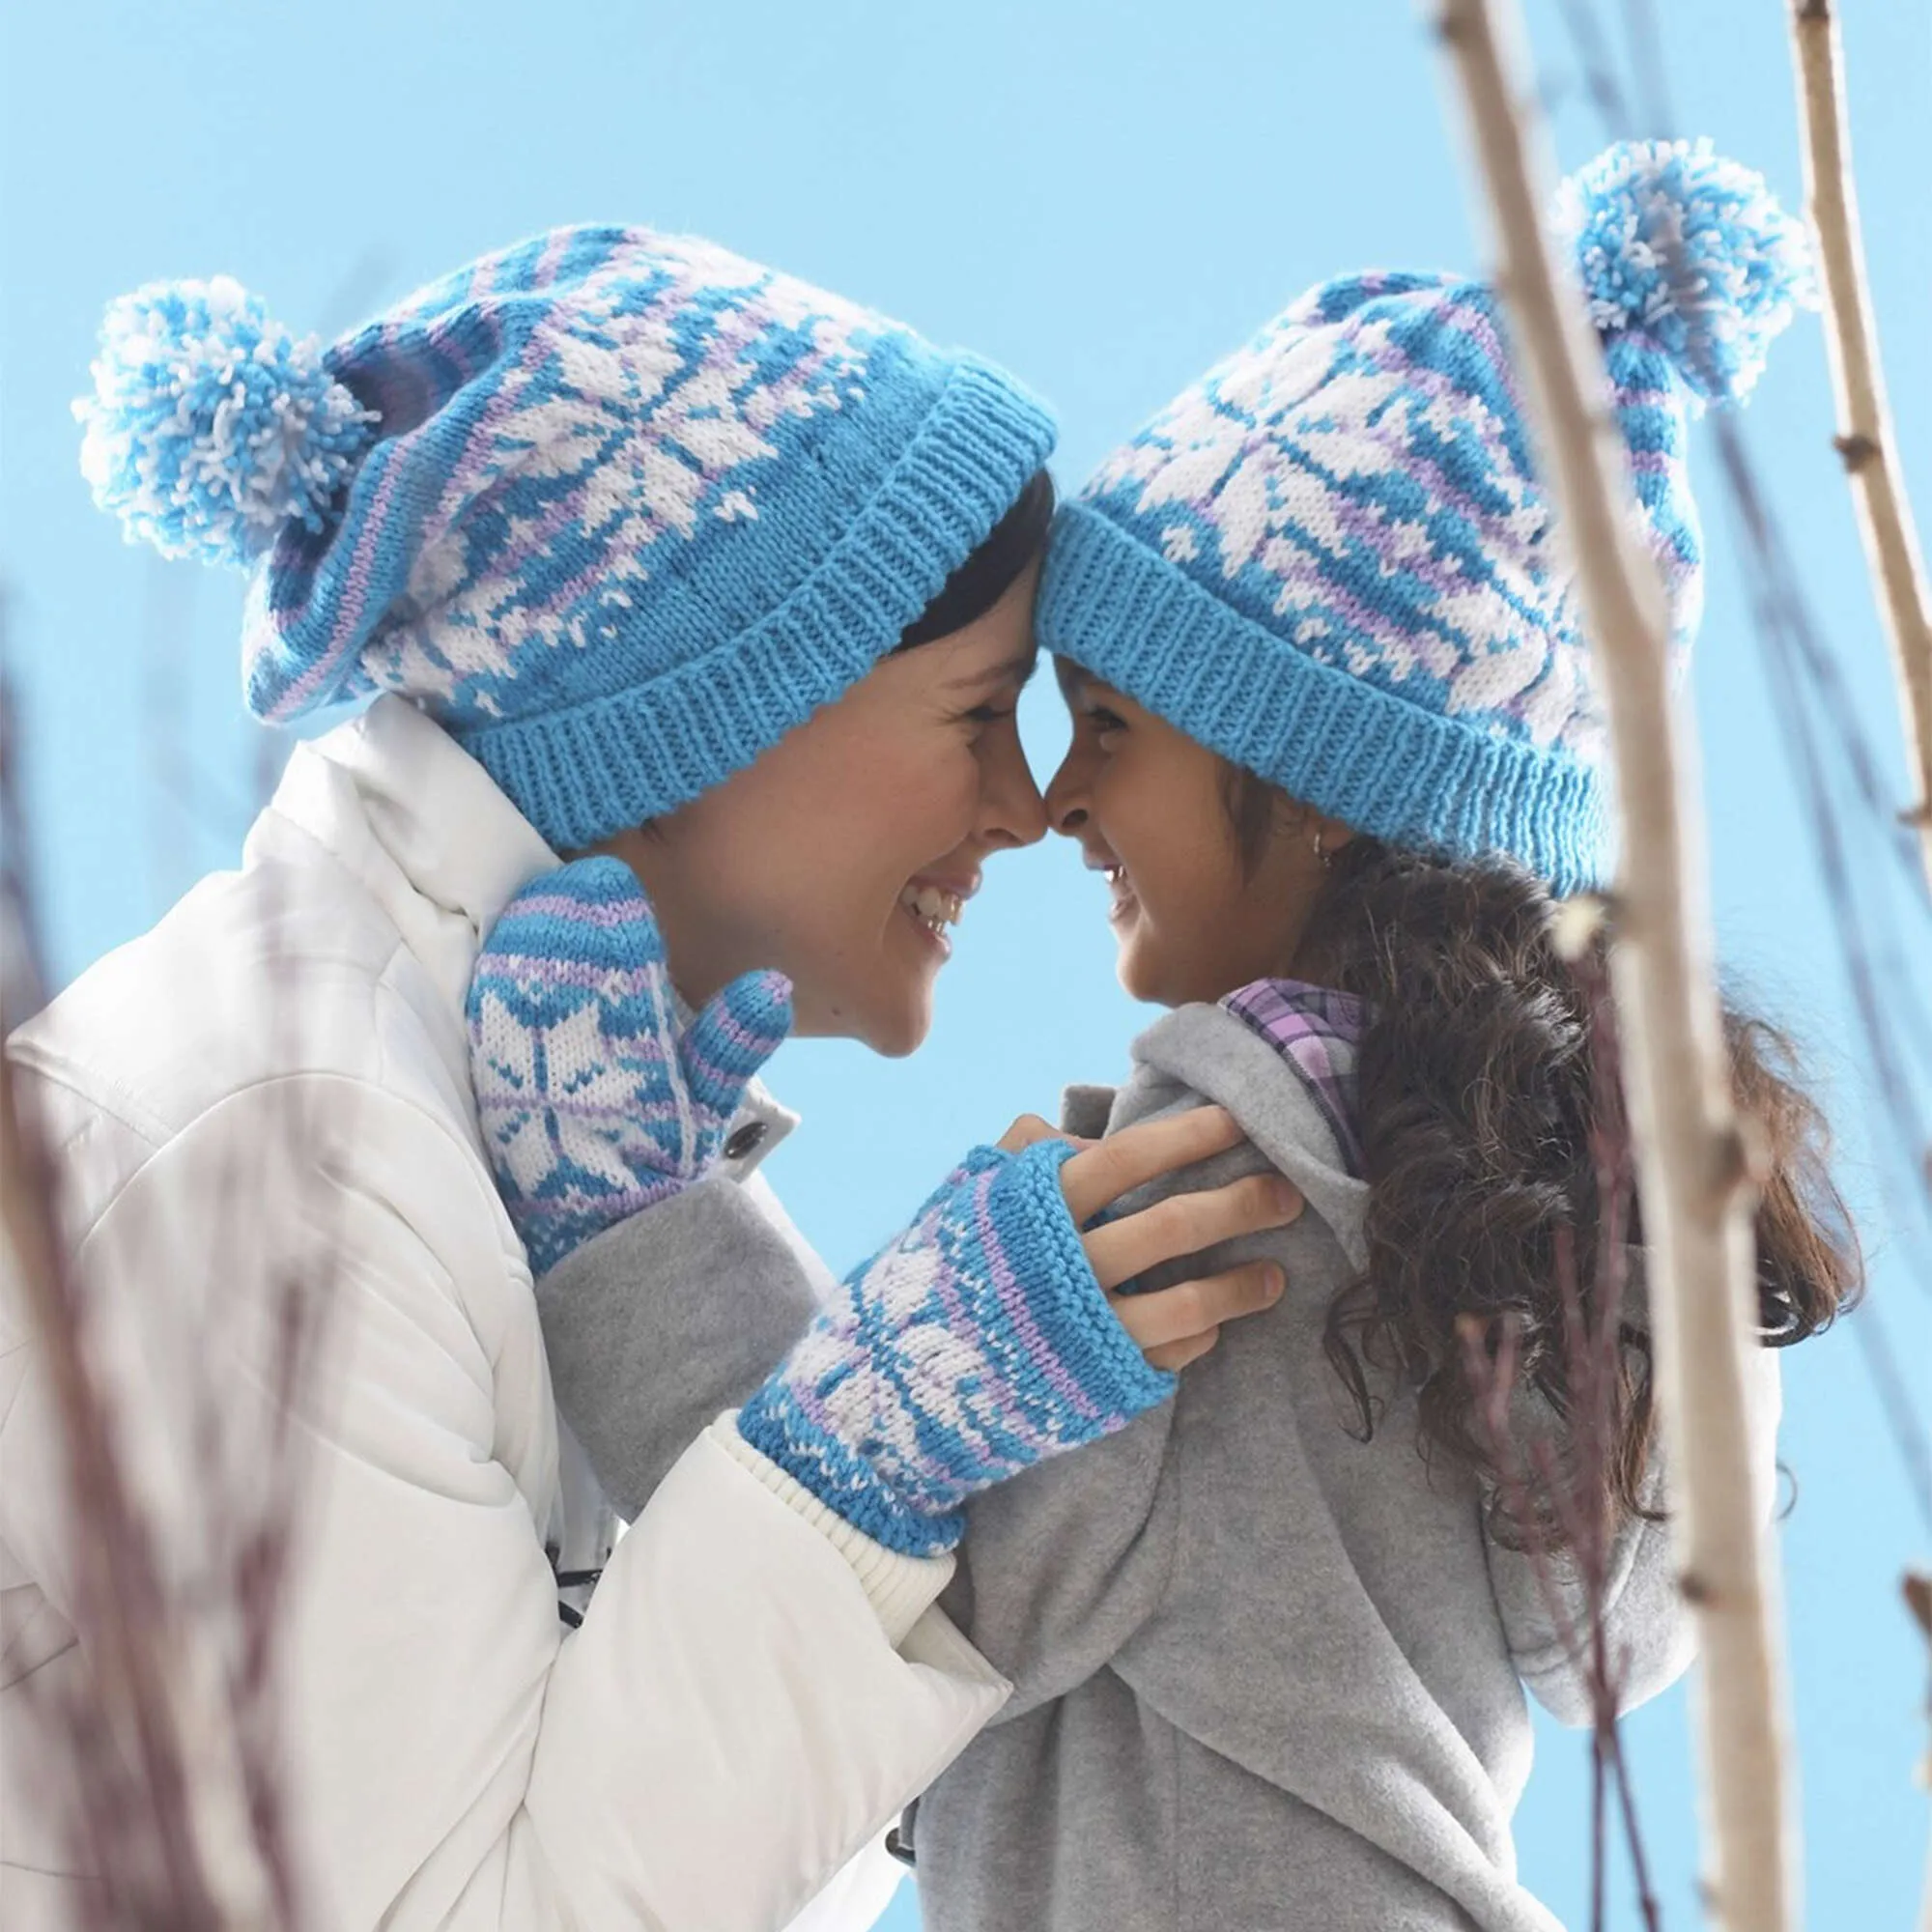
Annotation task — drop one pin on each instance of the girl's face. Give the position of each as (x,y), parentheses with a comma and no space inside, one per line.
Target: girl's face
(1151,809)
(842,856)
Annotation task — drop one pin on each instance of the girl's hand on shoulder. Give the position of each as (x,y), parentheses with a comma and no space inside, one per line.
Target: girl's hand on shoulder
(1172,1325)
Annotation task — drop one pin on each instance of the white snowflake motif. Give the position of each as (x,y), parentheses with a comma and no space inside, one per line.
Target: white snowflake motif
(644,428)
(531,1137)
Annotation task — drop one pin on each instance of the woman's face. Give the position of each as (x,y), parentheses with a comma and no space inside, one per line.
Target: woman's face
(1148,806)
(842,855)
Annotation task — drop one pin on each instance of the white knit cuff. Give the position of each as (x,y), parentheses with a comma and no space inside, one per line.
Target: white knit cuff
(899,1588)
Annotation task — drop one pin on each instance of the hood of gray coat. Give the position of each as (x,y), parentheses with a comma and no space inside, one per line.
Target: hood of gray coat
(1199,1052)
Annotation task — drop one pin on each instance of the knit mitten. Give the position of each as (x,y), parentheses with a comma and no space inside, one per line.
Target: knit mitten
(594,1103)
(975,1345)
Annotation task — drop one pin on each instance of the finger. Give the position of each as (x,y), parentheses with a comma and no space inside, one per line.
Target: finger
(1194,1308)
(1183,1224)
(1174,1357)
(1099,1176)
(1025,1131)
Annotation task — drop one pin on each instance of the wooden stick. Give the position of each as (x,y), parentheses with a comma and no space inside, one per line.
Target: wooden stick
(1694,1173)
(1864,440)
(1919,1601)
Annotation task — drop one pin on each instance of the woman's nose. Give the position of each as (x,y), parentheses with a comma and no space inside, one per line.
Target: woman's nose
(1014,813)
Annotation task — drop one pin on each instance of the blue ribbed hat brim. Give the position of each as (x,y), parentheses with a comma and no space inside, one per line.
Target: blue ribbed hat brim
(583,774)
(1410,776)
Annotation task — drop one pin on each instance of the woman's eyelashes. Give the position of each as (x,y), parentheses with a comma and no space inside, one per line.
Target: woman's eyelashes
(988,714)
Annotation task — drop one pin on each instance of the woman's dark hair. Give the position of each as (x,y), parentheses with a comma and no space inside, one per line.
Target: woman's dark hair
(1500,1189)
(990,571)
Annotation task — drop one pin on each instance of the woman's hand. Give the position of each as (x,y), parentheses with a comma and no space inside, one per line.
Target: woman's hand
(1172,1325)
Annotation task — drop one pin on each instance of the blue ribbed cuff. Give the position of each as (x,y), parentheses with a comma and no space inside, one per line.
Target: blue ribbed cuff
(1065,1300)
(1379,764)
(581,774)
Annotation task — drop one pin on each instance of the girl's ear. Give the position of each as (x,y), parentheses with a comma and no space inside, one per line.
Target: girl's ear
(1303,822)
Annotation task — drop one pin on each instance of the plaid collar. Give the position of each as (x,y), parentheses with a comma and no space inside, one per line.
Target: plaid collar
(1315,1030)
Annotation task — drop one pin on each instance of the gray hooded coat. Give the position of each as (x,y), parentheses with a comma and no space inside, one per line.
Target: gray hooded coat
(1266,1674)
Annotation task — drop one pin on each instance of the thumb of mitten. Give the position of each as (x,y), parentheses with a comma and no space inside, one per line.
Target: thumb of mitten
(731,1040)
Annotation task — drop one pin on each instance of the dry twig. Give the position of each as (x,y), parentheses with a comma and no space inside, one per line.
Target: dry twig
(1692,1159)
(1555,1498)
(165,1769)
(1864,440)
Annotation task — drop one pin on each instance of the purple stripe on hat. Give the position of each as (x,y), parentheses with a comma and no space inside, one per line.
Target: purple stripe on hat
(346,633)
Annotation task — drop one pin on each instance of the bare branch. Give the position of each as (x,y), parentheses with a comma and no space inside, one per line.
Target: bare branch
(1864,442)
(1692,1163)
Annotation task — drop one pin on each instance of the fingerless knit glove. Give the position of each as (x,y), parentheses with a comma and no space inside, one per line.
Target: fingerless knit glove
(594,1103)
(977,1343)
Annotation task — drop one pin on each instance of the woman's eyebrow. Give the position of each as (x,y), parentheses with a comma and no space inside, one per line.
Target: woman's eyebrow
(1017,670)
(1073,679)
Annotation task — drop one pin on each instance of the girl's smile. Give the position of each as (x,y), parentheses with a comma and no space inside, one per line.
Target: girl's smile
(1194,913)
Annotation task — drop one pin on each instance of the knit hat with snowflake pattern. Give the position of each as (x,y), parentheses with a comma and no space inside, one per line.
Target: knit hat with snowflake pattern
(1330,560)
(618,509)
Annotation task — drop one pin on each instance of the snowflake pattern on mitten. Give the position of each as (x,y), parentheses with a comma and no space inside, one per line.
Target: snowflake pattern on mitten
(595,1102)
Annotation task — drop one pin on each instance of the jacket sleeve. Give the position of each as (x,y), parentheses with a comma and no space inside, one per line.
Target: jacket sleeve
(663,1322)
(1061,1566)
(729,1725)
(1647,1625)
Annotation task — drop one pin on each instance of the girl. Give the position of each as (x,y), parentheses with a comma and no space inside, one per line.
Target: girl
(618,529)
(1337,752)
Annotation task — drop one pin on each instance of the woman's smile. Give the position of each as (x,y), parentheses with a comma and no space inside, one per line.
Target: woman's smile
(934,907)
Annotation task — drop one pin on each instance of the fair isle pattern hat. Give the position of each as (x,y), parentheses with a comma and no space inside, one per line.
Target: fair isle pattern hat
(1330,560)
(618,509)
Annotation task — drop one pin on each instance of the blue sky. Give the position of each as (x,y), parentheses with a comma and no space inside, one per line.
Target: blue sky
(1105,196)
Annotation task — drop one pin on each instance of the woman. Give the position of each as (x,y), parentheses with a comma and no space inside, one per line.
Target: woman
(624,531)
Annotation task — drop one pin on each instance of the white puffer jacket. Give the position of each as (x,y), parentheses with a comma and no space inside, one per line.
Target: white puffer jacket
(278,1072)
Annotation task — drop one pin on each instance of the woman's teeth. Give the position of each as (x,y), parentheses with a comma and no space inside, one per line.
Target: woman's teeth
(934,908)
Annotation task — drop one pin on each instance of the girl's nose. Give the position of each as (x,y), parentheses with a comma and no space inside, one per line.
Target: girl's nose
(1066,795)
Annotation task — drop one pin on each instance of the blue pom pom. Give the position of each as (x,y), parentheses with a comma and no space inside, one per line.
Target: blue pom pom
(211,427)
(1690,250)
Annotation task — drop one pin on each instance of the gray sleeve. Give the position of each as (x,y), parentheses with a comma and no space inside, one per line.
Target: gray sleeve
(1062,1565)
(663,1320)
(1647,1625)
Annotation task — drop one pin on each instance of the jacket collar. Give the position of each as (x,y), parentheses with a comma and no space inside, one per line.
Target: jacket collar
(421,826)
(428,833)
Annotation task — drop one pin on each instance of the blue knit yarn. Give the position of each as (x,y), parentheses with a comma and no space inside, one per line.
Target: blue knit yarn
(594,1099)
(211,427)
(616,508)
(1329,559)
(975,1345)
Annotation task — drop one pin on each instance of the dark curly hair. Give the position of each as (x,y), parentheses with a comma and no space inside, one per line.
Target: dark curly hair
(1490,1122)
